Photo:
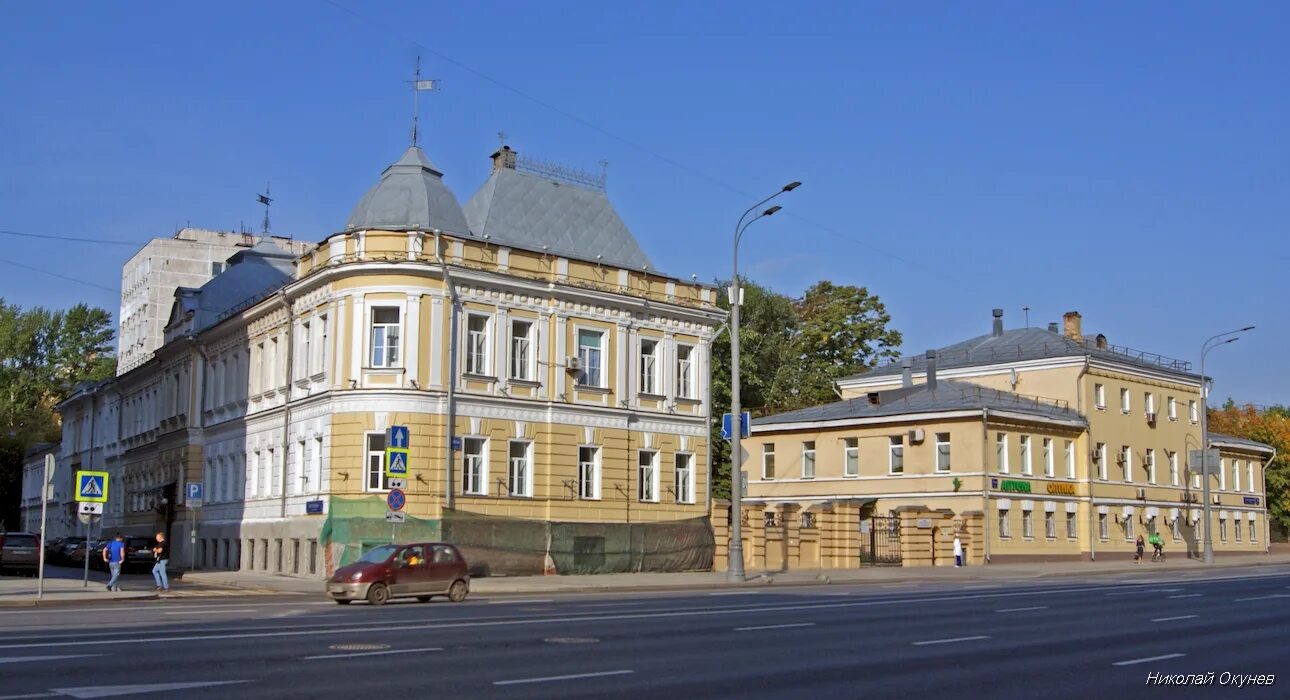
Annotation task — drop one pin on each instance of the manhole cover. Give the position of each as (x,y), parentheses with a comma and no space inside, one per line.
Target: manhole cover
(359,647)
(571,640)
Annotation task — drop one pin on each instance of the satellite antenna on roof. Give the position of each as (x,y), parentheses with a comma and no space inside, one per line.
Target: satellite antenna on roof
(266,201)
(419,85)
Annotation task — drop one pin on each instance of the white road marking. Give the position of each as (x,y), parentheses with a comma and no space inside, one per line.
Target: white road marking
(525,600)
(737,593)
(28,695)
(571,677)
(1263,597)
(208,612)
(1176,617)
(372,653)
(20,659)
(1188,595)
(774,627)
(952,640)
(107,691)
(1148,659)
(1012,610)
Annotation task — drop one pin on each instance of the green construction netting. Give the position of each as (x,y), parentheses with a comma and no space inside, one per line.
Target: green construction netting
(355,525)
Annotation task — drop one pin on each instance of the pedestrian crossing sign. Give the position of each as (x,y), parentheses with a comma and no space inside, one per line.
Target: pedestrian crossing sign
(91,487)
(396,463)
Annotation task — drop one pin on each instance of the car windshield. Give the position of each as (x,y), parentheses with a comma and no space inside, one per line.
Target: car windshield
(378,555)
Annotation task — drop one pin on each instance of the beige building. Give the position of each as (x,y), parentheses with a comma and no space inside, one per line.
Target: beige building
(554,385)
(1033,444)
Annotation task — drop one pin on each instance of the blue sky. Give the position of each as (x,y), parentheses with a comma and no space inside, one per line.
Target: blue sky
(1126,161)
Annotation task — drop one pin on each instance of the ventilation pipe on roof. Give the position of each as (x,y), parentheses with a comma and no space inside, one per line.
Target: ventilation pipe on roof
(931,370)
(1052,327)
(907,372)
(998,323)
(1071,320)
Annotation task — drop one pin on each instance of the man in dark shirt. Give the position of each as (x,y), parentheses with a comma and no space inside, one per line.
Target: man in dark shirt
(114,556)
(161,553)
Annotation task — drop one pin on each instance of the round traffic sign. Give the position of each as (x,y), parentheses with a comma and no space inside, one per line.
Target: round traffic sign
(396,499)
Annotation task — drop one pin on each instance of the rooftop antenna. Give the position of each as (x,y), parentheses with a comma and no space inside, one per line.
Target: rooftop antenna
(501,139)
(418,85)
(1026,310)
(266,201)
(604,171)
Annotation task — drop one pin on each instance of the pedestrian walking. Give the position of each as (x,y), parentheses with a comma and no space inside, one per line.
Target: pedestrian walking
(1141,550)
(114,557)
(161,557)
(958,552)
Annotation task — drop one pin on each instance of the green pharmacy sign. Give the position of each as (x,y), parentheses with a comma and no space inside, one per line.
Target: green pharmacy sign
(1014,486)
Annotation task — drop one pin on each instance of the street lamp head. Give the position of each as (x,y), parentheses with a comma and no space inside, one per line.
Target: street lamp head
(792,186)
(1247,328)
(1230,340)
(772,210)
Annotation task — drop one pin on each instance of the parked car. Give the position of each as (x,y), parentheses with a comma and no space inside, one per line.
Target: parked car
(138,554)
(77,556)
(20,552)
(422,571)
(63,554)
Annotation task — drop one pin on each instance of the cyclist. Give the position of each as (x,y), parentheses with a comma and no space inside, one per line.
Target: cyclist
(1159,544)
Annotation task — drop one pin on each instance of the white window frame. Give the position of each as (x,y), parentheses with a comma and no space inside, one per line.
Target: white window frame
(1050,464)
(1173,468)
(479,345)
(1099,396)
(1150,402)
(1151,466)
(648,369)
(474,465)
(1236,530)
(1130,529)
(896,454)
(1222,474)
(523,350)
(1193,411)
(524,469)
(768,459)
(1001,453)
(944,453)
(1027,525)
(1070,459)
(589,473)
(600,378)
(1171,405)
(1103,527)
(1126,401)
(1222,529)
(1249,476)
(1023,444)
(808,459)
(1254,530)
(684,477)
(850,457)
(391,352)
(685,374)
(1005,527)
(647,476)
(371,485)
(1175,528)
(1050,524)
(1236,475)
(1126,463)
(1072,526)
(1103,469)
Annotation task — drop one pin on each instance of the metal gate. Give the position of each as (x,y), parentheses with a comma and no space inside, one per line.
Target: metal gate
(880,541)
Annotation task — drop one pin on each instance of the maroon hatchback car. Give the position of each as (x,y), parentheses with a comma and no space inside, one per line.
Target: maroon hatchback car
(420,571)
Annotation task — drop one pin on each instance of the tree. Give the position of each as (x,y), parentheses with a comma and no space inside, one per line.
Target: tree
(1270,426)
(791,352)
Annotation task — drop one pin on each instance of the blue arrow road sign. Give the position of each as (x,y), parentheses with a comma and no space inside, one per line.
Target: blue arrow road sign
(744,419)
(399,437)
(396,499)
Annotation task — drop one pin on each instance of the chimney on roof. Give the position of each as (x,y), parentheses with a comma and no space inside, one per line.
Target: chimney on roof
(1071,322)
(503,157)
(1052,327)
(907,372)
(998,323)
(931,370)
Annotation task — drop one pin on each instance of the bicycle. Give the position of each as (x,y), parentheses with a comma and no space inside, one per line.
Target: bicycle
(1159,554)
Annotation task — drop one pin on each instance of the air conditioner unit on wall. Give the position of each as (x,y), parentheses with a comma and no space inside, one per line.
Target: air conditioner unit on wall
(1151,417)
(573,364)
(1218,500)
(1142,494)
(916,436)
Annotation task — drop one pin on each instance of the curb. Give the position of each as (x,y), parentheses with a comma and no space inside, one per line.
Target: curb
(55,602)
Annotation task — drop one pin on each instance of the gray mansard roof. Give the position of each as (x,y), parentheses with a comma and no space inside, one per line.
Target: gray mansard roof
(1220,440)
(252,274)
(529,211)
(949,396)
(411,196)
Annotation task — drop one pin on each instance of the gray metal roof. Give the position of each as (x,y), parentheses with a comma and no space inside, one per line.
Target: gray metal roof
(529,211)
(411,196)
(949,396)
(1233,441)
(252,274)
(1019,345)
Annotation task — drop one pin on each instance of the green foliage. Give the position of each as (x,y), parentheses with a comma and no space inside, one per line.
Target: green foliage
(1270,426)
(792,350)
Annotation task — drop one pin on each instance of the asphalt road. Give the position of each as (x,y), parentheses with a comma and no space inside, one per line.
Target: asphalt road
(1010,640)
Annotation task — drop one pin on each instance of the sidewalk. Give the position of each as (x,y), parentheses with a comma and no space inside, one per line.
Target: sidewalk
(60,589)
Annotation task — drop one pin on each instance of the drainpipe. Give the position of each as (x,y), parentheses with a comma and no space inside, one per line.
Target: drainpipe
(1267,526)
(451,417)
(286,404)
(985,482)
(1092,515)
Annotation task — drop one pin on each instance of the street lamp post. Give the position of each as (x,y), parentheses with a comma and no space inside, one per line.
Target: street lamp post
(735,552)
(1205,466)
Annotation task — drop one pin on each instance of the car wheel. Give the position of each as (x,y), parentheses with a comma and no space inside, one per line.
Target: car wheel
(378,594)
(424,598)
(343,602)
(457,592)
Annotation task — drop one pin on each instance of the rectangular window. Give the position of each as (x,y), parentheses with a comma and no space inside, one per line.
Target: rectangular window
(942,452)
(1128,528)
(1192,412)
(1151,466)
(376,462)
(272,367)
(647,475)
(523,359)
(1050,466)
(1005,528)
(1249,477)
(1175,528)
(474,468)
(1125,401)
(591,348)
(851,457)
(1099,396)
(808,459)
(1172,406)
(322,348)
(768,461)
(477,345)
(1195,479)
(1024,446)
(649,367)
(1222,474)
(1237,530)
(1236,475)
(385,336)
(1126,463)
(1103,531)
(1027,525)
(1050,525)
(1149,399)
(1254,532)
(1001,452)
(1070,459)
(275,463)
(589,472)
(685,372)
(520,475)
(1072,528)
(684,478)
(1222,529)
(896,455)
(307,348)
